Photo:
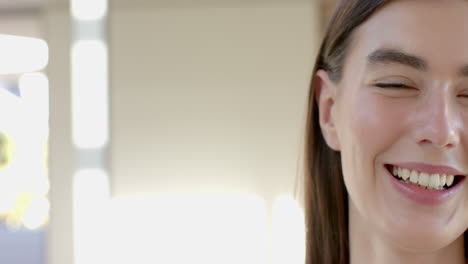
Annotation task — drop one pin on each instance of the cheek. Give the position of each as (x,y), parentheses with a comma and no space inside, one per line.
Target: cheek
(367,131)
(368,126)
(378,123)
(371,125)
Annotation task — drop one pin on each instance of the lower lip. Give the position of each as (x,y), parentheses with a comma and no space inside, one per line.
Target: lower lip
(421,195)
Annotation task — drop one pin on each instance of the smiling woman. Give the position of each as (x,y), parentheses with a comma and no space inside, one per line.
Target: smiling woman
(387,135)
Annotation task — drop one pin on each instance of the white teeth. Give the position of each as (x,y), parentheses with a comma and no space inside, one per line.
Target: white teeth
(414,176)
(423,179)
(430,181)
(434,181)
(406,174)
(450,179)
(443,179)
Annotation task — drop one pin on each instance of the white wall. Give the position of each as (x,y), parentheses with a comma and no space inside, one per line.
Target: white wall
(209,97)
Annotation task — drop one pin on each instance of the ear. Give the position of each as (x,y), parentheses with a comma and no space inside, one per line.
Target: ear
(325,95)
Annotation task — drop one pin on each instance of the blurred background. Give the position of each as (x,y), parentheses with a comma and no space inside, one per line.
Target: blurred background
(154,131)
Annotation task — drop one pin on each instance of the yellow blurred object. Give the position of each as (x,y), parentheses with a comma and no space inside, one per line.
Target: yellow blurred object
(30,211)
(14,217)
(20,204)
(6,150)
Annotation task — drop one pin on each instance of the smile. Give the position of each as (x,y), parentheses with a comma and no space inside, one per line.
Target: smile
(425,184)
(431,181)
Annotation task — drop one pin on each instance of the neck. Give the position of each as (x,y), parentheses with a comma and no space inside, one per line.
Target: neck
(367,246)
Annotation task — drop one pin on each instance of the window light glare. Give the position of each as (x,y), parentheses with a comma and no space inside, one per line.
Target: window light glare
(90,187)
(37,213)
(10,104)
(88,9)
(7,201)
(22,54)
(34,90)
(208,228)
(90,198)
(288,229)
(90,94)
(34,85)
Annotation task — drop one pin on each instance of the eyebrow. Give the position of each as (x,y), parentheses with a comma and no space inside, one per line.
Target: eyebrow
(395,56)
(389,56)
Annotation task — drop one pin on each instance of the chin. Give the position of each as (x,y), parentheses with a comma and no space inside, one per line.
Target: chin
(421,237)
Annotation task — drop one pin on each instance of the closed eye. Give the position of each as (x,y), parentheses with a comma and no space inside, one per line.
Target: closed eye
(392,85)
(396,90)
(463,93)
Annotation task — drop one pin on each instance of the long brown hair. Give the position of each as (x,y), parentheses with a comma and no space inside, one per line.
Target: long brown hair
(325,195)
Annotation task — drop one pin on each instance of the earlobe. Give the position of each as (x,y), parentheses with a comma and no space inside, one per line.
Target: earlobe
(325,96)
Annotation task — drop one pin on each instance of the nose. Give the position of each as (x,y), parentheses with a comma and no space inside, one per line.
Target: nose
(439,126)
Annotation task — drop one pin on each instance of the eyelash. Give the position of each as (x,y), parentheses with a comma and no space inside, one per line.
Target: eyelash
(403,86)
(391,85)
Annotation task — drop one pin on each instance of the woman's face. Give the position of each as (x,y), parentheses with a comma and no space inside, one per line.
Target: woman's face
(403,102)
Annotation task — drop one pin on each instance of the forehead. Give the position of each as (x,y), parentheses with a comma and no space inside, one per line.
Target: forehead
(436,30)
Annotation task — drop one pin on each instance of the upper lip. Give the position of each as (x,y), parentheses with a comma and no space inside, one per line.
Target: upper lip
(429,168)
